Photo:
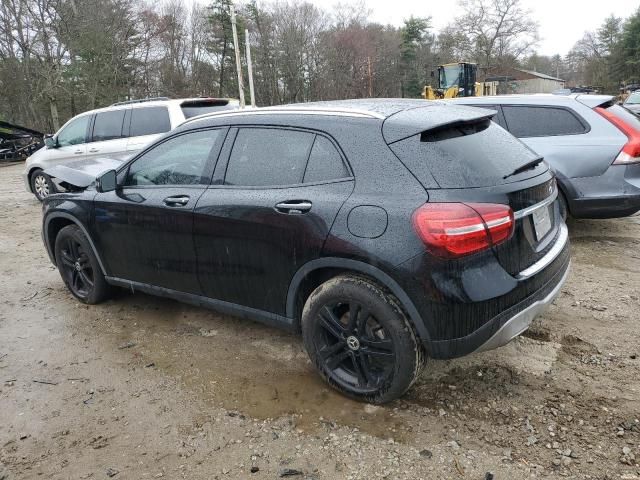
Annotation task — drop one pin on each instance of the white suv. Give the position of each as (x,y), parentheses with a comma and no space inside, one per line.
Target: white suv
(118,132)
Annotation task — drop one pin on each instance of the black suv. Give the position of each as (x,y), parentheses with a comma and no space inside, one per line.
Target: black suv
(387,231)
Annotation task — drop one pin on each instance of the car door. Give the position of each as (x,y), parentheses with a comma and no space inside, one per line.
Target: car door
(146,124)
(71,142)
(145,227)
(108,138)
(278,192)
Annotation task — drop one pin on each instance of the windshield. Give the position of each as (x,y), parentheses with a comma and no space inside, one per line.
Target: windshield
(449,76)
(634,99)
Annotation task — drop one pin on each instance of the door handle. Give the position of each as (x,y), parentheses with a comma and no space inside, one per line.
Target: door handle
(78,152)
(176,201)
(94,150)
(294,207)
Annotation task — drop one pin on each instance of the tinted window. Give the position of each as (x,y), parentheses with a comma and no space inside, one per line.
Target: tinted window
(193,109)
(475,155)
(75,132)
(181,160)
(325,162)
(108,125)
(268,156)
(149,120)
(541,121)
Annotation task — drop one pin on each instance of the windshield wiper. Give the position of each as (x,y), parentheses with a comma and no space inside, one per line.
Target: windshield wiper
(524,168)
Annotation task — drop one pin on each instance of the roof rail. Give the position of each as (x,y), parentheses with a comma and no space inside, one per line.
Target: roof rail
(141,100)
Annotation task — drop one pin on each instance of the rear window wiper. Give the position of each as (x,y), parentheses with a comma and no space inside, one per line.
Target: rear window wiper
(524,168)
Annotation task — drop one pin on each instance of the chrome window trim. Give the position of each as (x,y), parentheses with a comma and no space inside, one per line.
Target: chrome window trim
(353,113)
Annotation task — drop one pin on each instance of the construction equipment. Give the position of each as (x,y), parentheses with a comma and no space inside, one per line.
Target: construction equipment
(455,80)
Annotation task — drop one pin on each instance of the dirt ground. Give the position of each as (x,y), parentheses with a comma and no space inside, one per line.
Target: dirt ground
(142,387)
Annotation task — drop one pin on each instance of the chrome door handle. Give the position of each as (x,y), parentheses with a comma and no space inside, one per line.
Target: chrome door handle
(176,200)
(294,206)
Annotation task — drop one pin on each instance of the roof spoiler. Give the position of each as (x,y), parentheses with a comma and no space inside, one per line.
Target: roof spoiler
(593,101)
(407,123)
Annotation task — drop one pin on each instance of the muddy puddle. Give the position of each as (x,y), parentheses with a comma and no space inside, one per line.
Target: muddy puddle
(242,366)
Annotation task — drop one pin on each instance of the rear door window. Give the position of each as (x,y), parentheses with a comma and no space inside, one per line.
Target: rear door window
(534,121)
(472,155)
(268,157)
(108,125)
(149,121)
(325,162)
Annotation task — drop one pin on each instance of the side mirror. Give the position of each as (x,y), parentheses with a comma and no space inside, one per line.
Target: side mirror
(50,141)
(107,182)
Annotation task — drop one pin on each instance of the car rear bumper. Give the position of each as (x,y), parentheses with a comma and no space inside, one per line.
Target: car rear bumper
(520,322)
(616,193)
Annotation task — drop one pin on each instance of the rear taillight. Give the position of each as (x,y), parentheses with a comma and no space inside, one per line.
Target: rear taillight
(630,153)
(458,229)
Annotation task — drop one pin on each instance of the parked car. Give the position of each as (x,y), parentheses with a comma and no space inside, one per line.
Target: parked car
(632,102)
(386,231)
(118,131)
(592,144)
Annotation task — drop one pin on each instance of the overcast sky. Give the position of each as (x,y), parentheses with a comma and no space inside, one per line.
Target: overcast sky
(562,22)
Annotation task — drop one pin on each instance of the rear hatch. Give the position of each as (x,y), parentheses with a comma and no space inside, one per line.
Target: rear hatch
(472,160)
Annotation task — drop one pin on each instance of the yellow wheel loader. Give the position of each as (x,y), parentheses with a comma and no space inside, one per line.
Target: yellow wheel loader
(454,80)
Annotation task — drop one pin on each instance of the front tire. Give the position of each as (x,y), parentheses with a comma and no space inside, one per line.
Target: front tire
(79,267)
(360,340)
(41,185)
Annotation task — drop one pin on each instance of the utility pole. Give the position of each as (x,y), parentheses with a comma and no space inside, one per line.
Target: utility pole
(237,50)
(249,67)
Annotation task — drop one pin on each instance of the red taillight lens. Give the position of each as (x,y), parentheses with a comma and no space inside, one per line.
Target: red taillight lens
(458,229)
(630,153)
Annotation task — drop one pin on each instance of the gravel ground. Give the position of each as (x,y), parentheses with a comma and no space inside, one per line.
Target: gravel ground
(141,387)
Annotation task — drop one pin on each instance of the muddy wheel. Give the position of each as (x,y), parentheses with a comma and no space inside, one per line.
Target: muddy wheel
(79,267)
(360,341)
(41,185)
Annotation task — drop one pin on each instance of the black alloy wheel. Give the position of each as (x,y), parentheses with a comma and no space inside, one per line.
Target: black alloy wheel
(356,350)
(76,267)
(359,339)
(79,267)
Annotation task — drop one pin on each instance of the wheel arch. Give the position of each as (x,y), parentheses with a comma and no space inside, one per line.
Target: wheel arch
(315,272)
(55,222)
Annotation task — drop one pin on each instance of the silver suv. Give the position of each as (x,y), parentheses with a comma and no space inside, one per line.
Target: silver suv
(117,132)
(592,144)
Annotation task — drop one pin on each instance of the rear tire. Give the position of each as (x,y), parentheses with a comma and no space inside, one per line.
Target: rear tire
(79,267)
(41,185)
(360,340)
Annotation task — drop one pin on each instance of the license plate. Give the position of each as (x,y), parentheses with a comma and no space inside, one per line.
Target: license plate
(541,222)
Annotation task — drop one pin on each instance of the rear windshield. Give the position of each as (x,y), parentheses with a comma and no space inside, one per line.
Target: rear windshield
(193,109)
(628,116)
(472,155)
